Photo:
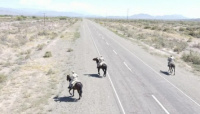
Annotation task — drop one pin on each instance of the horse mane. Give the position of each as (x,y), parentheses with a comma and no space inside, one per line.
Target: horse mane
(96,59)
(68,78)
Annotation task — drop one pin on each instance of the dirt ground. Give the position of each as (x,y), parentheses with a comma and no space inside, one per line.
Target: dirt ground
(30,83)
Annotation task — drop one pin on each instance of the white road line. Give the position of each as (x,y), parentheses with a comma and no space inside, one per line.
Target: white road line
(160,104)
(115,52)
(107,43)
(158,73)
(108,75)
(127,66)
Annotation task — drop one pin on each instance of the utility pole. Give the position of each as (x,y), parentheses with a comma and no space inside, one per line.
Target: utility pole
(44,19)
(106,14)
(127,14)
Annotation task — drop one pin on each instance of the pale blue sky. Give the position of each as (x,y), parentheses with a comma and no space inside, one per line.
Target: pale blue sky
(188,8)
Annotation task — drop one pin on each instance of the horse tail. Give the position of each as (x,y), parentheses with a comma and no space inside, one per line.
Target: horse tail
(81,91)
(105,68)
(174,69)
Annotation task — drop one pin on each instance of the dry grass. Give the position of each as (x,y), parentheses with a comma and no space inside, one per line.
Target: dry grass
(21,49)
(40,46)
(2,78)
(77,34)
(193,57)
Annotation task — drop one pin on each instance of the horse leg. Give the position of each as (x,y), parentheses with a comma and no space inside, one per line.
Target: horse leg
(169,69)
(70,92)
(98,71)
(73,93)
(79,92)
(104,71)
(174,70)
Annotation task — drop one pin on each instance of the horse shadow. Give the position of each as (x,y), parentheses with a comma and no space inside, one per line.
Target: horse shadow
(165,72)
(93,75)
(65,99)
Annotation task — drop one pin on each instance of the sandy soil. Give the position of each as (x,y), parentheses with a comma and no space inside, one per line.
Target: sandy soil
(31,82)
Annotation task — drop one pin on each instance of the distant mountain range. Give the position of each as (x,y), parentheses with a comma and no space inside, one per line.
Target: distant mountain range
(147,16)
(36,12)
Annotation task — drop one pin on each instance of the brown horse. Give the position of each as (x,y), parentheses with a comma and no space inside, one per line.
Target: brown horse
(78,86)
(171,68)
(103,66)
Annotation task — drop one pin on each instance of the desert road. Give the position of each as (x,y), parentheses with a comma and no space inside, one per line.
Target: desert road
(138,85)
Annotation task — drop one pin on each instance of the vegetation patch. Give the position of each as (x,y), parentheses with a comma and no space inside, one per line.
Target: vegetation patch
(40,46)
(47,54)
(63,18)
(192,57)
(77,34)
(69,50)
(2,78)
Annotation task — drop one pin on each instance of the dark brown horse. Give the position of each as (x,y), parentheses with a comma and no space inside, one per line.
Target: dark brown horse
(171,68)
(103,66)
(78,86)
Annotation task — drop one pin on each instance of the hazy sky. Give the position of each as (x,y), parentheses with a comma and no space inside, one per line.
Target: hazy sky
(188,8)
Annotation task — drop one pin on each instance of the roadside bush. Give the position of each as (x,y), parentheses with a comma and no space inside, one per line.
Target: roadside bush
(22,39)
(70,50)
(19,18)
(180,46)
(189,40)
(53,35)
(154,28)
(147,27)
(40,46)
(43,33)
(189,29)
(34,17)
(166,29)
(196,45)
(193,57)
(181,29)
(50,72)
(194,34)
(47,54)
(62,18)
(62,36)
(159,42)
(76,35)
(2,78)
